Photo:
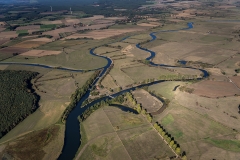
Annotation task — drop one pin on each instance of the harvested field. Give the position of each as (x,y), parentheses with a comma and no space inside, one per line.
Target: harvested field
(236,80)
(106,33)
(30,27)
(29,44)
(8,34)
(151,24)
(2,29)
(215,89)
(150,103)
(40,53)
(41,40)
(4,40)
(55,33)
(115,18)
(14,49)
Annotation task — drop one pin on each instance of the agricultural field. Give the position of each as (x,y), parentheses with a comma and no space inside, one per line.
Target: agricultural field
(120,133)
(214,89)
(142,73)
(150,103)
(183,124)
(42,144)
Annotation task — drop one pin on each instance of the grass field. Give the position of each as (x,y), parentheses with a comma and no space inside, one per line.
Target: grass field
(21,31)
(150,103)
(48,26)
(142,73)
(183,124)
(212,107)
(109,83)
(75,59)
(121,135)
(117,74)
(166,88)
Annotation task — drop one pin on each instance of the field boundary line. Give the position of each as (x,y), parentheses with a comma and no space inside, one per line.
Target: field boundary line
(117,135)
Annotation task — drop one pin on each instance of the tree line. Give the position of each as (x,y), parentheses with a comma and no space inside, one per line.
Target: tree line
(164,134)
(106,102)
(17,98)
(78,94)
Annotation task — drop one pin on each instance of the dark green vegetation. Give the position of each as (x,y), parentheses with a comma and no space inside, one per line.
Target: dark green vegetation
(47,26)
(90,110)
(17,99)
(79,93)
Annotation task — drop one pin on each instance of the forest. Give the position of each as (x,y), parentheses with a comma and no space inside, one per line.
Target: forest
(17,98)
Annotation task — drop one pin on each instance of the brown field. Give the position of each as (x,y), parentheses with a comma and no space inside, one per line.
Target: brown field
(8,34)
(55,33)
(2,23)
(72,21)
(151,24)
(101,34)
(13,50)
(3,67)
(29,44)
(4,40)
(150,103)
(153,19)
(30,27)
(2,29)
(40,53)
(41,40)
(215,89)
(115,18)
(236,80)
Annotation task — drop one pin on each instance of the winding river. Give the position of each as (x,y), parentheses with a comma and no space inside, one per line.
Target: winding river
(72,132)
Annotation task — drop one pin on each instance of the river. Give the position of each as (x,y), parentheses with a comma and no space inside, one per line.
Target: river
(72,133)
